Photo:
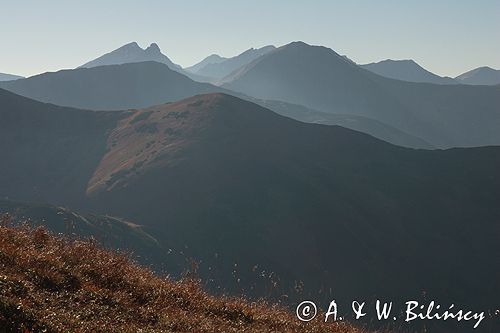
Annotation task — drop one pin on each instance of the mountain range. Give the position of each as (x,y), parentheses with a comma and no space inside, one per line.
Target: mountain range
(151,83)
(409,70)
(216,67)
(308,79)
(262,200)
(319,78)
(113,87)
(130,53)
(406,70)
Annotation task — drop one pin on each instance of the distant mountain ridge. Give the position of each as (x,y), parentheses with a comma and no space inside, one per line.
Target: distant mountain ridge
(112,87)
(220,69)
(406,70)
(137,85)
(131,53)
(9,77)
(480,76)
(319,78)
(211,59)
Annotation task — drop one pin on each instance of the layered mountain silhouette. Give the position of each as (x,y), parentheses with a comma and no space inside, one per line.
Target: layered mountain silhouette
(126,86)
(131,53)
(366,125)
(220,69)
(480,76)
(136,85)
(9,77)
(319,78)
(252,194)
(406,70)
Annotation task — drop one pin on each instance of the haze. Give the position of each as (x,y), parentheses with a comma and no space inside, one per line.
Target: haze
(448,38)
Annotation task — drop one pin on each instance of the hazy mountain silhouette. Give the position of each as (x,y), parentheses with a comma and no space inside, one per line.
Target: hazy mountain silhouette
(221,69)
(138,85)
(211,59)
(126,86)
(248,192)
(366,125)
(9,77)
(319,78)
(131,53)
(406,70)
(480,76)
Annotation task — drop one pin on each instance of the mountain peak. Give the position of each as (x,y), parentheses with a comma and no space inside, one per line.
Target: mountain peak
(406,70)
(480,76)
(153,48)
(298,43)
(131,45)
(130,53)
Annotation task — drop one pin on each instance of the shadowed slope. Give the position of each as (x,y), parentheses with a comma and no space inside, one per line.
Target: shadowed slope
(230,182)
(264,202)
(49,152)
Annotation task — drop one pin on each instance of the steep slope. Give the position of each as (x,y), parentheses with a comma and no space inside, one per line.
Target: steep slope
(49,152)
(223,68)
(406,70)
(480,76)
(266,203)
(50,284)
(132,85)
(9,77)
(131,53)
(319,78)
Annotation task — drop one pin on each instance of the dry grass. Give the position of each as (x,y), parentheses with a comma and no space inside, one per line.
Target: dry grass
(52,284)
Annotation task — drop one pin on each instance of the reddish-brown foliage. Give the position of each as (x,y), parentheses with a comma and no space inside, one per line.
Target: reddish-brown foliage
(51,284)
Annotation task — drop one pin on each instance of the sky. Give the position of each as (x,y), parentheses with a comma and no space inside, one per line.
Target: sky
(444,36)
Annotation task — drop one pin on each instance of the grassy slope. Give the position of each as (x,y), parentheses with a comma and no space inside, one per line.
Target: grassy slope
(51,284)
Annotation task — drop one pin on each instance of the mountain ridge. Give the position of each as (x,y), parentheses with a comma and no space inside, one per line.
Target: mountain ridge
(9,77)
(229,182)
(130,53)
(406,70)
(480,76)
(319,78)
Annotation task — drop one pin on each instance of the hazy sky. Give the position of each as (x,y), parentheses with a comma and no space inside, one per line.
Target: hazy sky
(447,37)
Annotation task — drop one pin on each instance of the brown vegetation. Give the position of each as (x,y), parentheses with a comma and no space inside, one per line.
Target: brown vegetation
(49,283)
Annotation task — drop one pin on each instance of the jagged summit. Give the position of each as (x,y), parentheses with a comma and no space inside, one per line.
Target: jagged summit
(153,48)
(130,53)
